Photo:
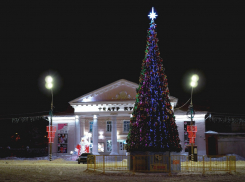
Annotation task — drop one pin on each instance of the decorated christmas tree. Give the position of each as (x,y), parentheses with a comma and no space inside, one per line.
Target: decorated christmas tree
(152,125)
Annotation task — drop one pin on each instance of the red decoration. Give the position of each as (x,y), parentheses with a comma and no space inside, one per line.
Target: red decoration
(191,134)
(51,133)
(51,140)
(86,148)
(191,140)
(78,149)
(191,128)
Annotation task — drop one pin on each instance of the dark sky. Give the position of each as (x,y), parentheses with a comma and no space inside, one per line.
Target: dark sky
(89,45)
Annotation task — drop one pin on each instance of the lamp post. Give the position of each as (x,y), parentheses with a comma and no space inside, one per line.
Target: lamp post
(49,85)
(193,83)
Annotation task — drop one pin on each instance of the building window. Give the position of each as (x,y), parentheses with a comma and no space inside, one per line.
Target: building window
(101,147)
(108,146)
(126,126)
(108,126)
(91,126)
(121,146)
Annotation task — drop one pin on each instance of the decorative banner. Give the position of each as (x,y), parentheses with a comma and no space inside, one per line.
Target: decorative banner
(51,140)
(62,138)
(63,128)
(49,128)
(62,148)
(191,128)
(192,140)
(51,133)
(187,127)
(191,134)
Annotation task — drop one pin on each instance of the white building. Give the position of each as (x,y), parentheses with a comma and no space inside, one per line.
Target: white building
(103,116)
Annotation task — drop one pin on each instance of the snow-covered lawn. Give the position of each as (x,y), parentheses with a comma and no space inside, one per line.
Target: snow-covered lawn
(64,170)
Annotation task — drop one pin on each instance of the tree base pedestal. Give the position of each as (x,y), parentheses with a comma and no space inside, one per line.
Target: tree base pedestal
(149,161)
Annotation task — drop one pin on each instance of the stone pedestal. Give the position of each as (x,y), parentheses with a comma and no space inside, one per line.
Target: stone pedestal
(150,161)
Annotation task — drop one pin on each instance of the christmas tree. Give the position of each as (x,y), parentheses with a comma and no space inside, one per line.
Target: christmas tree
(152,125)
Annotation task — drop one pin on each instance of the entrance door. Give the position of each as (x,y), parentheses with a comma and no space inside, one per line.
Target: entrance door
(212,145)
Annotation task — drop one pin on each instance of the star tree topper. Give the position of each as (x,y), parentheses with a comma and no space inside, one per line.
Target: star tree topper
(152,15)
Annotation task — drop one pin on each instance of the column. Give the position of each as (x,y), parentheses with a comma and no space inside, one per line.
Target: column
(95,136)
(172,107)
(82,128)
(77,131)
(114,136)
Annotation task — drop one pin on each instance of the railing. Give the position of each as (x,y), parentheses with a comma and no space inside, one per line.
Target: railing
(108,162)
(161,163)
(206,163)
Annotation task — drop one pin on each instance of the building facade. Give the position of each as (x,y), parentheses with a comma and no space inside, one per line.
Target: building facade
(101,119)
(225,134)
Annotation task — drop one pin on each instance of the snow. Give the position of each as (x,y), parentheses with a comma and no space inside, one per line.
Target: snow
(238,157)
(67,169)
(211,132)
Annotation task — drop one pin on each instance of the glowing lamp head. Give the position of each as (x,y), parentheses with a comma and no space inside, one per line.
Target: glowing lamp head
(49,85)
(49,81)
(195,78)
(193,84)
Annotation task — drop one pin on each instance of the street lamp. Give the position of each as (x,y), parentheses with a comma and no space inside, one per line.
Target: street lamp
(49,85)
(193,84)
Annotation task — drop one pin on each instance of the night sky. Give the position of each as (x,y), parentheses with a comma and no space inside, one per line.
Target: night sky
(88,45)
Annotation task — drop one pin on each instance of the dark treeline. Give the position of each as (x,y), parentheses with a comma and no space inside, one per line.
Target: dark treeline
(23,137)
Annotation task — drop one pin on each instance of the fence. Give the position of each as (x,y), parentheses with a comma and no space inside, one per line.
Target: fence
(161,163)
(108,162)
(206,163)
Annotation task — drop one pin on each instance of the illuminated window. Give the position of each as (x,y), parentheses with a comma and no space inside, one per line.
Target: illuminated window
(108,126)
(101,147)
(126,126)
(91,126)
(108,146)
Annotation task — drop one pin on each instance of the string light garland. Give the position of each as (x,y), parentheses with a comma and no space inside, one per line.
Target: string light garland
(26,119)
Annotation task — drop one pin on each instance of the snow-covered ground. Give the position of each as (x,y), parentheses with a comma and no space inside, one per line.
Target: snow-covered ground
(67,169)
(54,157)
